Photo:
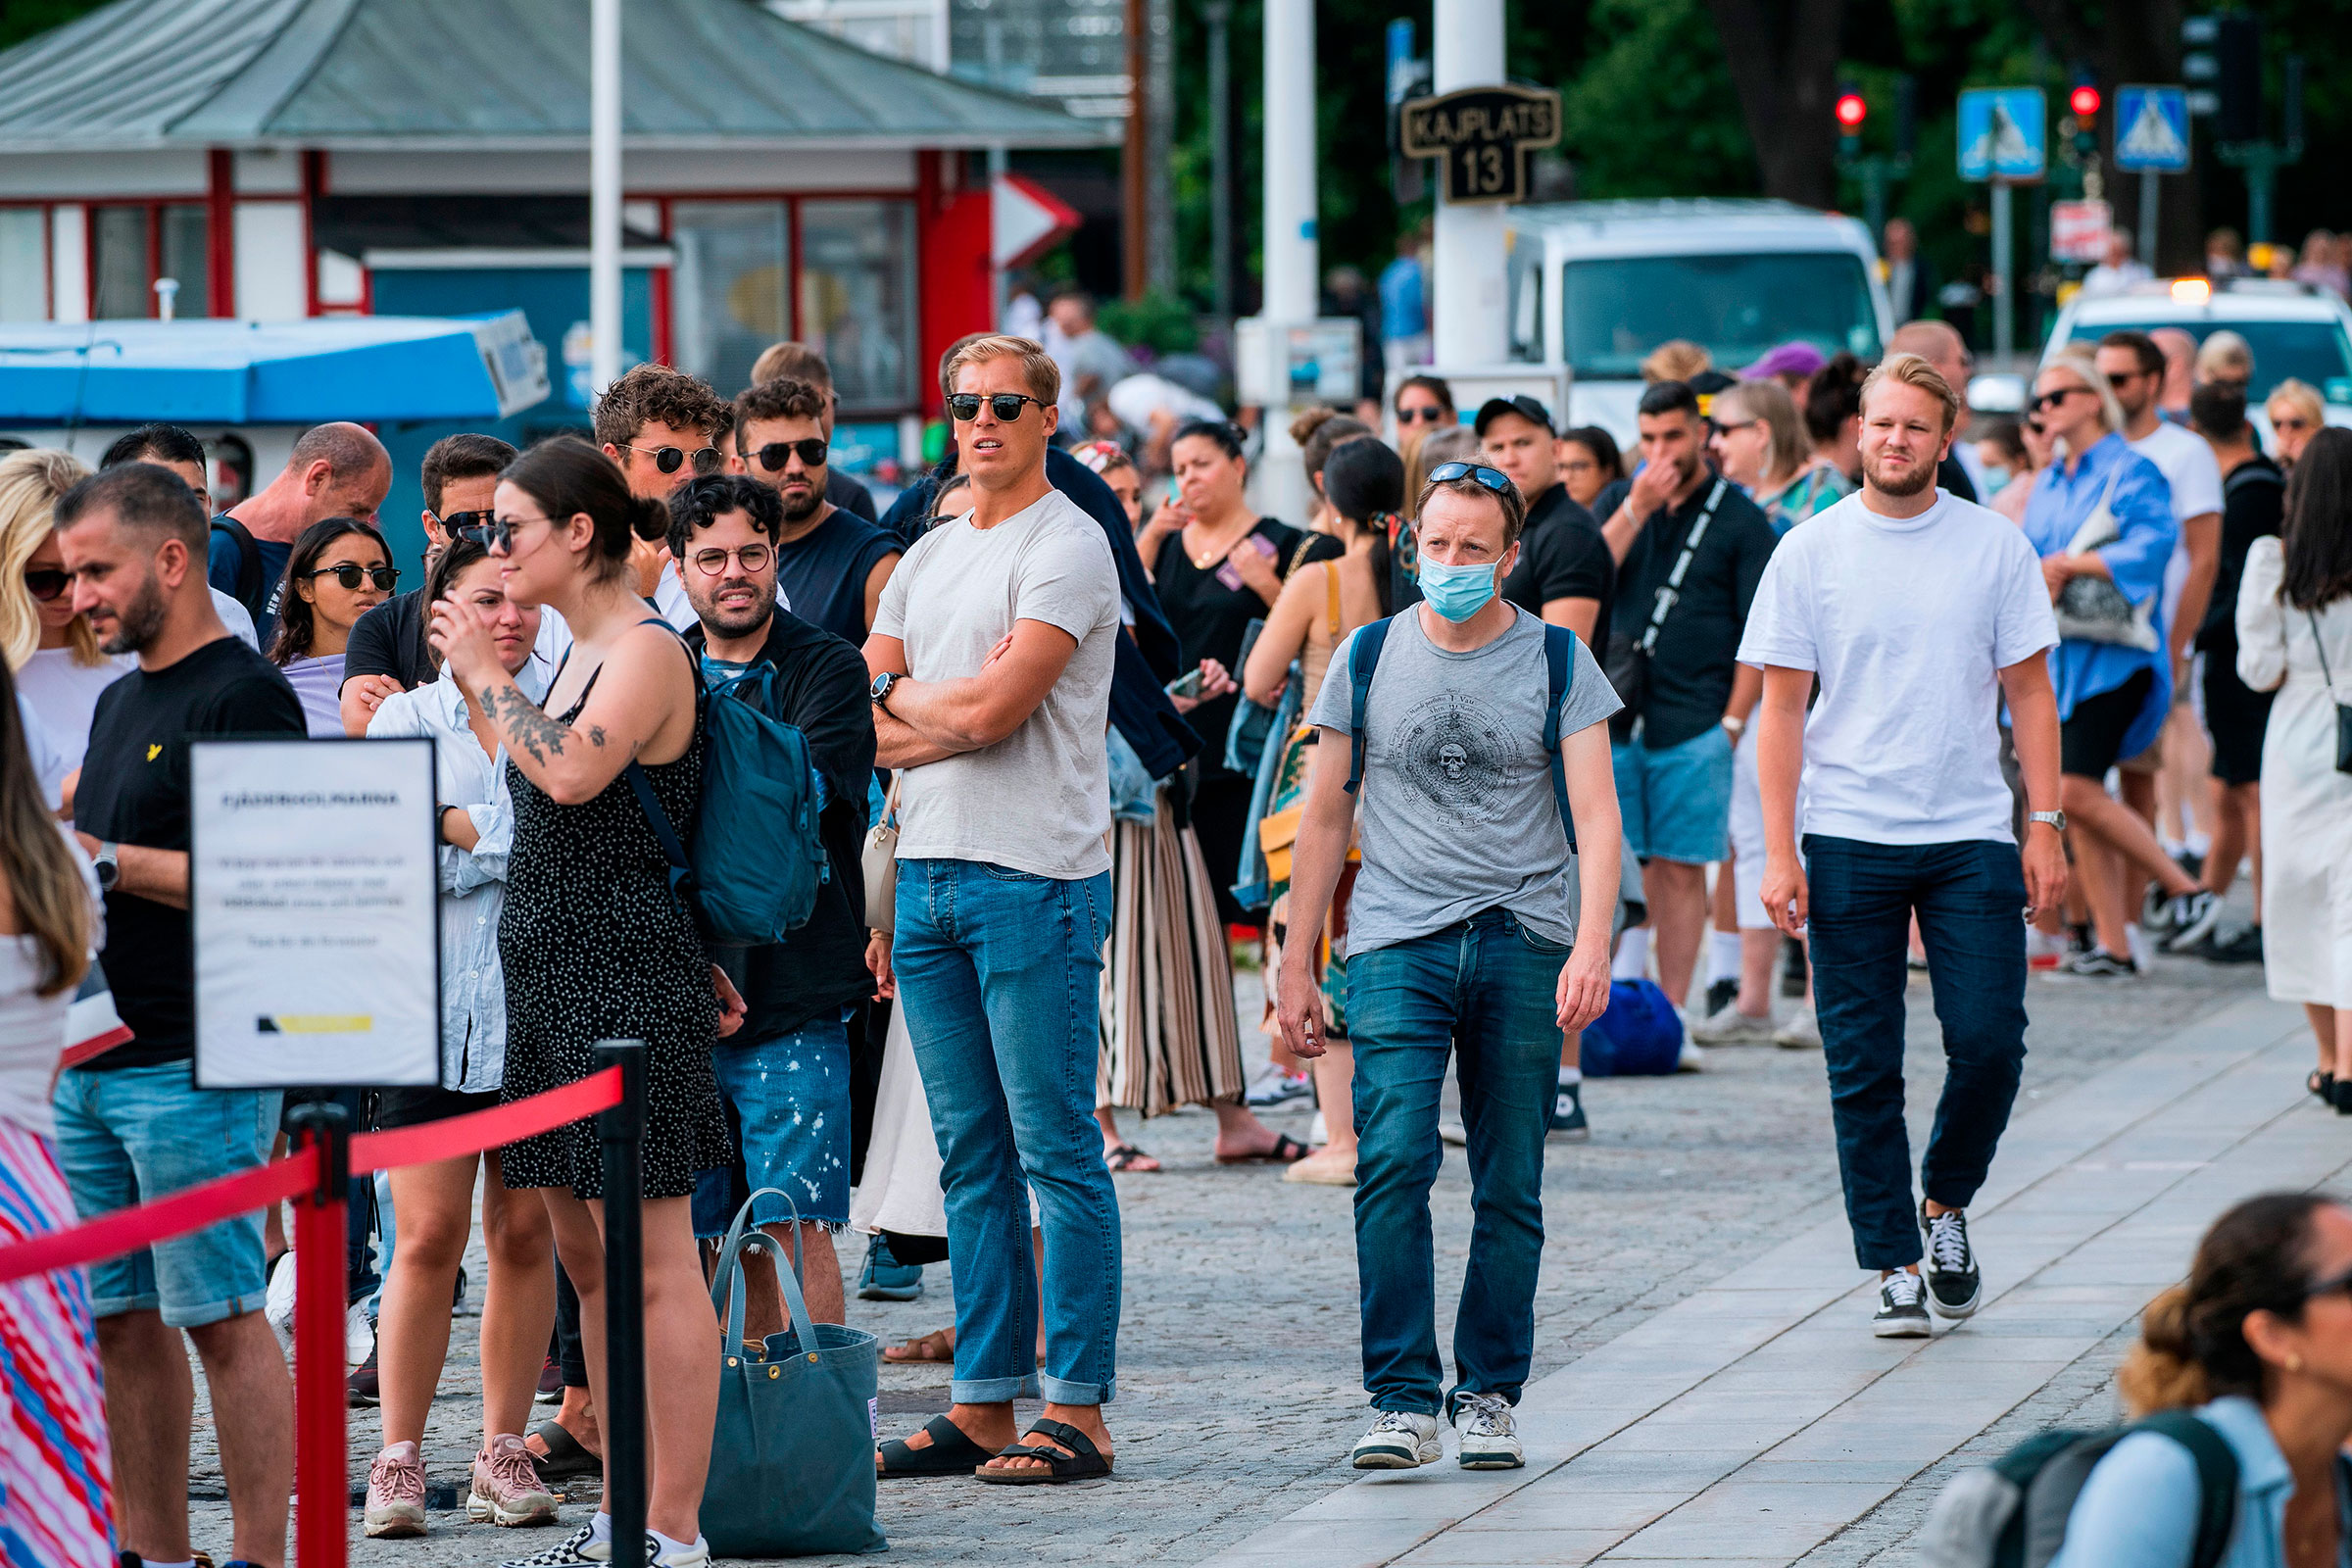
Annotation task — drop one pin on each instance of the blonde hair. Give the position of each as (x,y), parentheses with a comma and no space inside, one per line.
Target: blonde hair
(1769,400)
(2224,355)
(1676,360)
(2082,360)
(29,484)
(1913,369)
(1037,368)
(2302,397)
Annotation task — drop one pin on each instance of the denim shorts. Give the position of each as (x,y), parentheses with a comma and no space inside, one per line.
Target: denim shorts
(1677,802)
(789,1096)
(134,1134)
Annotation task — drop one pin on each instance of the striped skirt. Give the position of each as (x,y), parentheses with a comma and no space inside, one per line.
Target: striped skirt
(1169,1036)
(55,1469)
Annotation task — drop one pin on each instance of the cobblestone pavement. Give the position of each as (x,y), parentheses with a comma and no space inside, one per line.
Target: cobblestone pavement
(1238,1387)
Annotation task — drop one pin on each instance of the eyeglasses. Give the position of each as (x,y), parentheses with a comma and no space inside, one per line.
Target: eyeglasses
(498,536)
(2276,424)
(2050,400)
(1737,424)
(772,457)
(1422,413)
(2340,1280)
(1492,478)
(753,557)
(45,582)
(473,525)
(669,460)
(2120,379)
(964,406)
(349,574)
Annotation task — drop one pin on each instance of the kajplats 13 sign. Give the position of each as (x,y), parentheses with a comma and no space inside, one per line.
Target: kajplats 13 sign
(313,891)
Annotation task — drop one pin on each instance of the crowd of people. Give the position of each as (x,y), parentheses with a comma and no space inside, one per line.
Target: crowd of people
(1766,703)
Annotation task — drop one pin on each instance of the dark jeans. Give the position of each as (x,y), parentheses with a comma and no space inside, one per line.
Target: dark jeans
(566,1351)
(1483,991)
(1969,898)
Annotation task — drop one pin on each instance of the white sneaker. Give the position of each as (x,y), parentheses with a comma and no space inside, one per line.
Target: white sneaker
(1487,1441)
(1399,1441)
(1729,1026)
(1694,1057)
(697,1555)
(1802,1031)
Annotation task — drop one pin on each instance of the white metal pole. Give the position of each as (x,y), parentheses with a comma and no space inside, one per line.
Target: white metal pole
(1472,324)
(604,191)
(1292,256)
(999,164)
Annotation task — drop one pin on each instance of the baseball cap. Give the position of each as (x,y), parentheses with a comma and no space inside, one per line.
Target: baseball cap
(1790,358)
(1525,406)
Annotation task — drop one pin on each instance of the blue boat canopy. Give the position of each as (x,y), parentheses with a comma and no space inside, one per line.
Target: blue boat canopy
(359,368)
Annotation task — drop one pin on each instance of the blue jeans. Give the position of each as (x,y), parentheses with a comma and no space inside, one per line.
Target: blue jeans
(998,973)
(1969,898)
(1487,989)
(789,1096)
(132,1134)
(1675,802)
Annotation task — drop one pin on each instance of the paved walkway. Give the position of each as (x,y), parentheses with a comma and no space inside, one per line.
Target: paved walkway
(1754,1420)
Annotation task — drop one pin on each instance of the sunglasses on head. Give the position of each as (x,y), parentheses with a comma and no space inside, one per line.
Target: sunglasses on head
(1422,413)
(349,574)
(1492,478)
(964,406)
(774,455)
(669,460)
(45,582)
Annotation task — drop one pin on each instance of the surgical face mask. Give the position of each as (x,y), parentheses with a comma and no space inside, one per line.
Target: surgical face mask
(1457,591)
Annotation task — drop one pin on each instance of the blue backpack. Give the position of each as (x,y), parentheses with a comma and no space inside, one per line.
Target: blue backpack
(1638,1034)
(757,861)
(1559,664)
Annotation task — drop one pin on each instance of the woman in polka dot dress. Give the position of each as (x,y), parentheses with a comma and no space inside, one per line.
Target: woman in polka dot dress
(594,946)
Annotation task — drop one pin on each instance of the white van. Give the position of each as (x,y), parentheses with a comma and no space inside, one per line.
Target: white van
(1597,285)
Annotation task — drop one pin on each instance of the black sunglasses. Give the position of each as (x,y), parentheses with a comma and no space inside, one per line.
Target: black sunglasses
(964,406)
(2050,400)
(1492,478)
(1424,414)
(810,452)
(45,582)
(473,525)
(669,460)
(349,574)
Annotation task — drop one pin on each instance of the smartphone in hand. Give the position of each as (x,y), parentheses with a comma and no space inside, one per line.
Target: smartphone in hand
(1186,684)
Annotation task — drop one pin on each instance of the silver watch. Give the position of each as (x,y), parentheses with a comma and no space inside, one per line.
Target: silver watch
(108,868)
(2056,819)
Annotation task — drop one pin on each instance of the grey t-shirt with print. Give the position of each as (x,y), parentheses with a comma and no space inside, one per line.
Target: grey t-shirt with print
(1456,812)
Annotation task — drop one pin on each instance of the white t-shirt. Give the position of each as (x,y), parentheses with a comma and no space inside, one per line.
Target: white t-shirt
(1039,800)
(237,618)
(1909,622)
(2189,468)
(64,693)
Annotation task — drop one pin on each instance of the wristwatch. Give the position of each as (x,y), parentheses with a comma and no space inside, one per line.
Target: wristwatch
(879,691)
(110,871)
(2056,819)
(1737,725)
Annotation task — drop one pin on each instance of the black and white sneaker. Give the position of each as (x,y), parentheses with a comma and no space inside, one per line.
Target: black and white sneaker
(1568,1112)
(578,1547)
(2194,916)
(2100,965)
(1954,1286)
(1901,1314)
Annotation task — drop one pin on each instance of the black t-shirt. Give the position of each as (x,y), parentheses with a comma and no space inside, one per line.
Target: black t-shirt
(821,689)
(389,640)
(1562,555)
(134,790)
(849,494)
(2253,507)
(1952,475)
(1210,613)
(1696,657)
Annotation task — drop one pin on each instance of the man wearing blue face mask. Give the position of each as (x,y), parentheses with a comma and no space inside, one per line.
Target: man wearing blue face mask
(1484,766)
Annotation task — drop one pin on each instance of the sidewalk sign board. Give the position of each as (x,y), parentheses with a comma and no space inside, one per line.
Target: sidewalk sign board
(313,891)
(1486,137)
(2078,230)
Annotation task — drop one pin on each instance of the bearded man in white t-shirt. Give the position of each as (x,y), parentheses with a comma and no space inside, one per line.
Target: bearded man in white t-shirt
(1918,613)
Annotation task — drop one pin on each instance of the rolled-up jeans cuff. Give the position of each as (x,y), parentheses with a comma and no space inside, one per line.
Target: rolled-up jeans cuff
(1060,1391)
(993,1390)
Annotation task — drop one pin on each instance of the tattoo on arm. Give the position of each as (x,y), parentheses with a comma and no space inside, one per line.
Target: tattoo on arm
(596,734)
(526,726)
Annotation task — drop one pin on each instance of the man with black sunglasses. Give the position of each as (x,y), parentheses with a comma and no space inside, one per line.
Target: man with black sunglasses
(830,564)
(664,427)
(387,653)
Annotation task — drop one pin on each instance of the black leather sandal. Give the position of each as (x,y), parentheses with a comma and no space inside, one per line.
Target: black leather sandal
(951,1453)
(2321,1086)
(1084,1461)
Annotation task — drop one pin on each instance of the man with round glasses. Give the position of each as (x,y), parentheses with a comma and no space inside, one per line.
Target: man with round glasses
(830,564)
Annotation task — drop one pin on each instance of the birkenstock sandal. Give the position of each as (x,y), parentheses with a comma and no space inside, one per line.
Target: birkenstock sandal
(951,1453)
(1084,1461)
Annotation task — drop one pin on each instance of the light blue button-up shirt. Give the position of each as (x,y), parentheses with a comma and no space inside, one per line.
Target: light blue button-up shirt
(473,882)
(2142,505)
(2139,1507)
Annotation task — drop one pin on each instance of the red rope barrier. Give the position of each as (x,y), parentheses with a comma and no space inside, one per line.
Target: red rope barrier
(127,1230)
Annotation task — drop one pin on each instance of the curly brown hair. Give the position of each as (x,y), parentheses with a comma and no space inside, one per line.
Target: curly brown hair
(781,398)
(653,393)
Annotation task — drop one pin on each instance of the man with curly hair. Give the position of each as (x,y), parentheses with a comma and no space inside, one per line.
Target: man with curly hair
(662,426)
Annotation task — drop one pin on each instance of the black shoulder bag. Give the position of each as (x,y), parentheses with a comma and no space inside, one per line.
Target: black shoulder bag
(1627,664)
(2344,709)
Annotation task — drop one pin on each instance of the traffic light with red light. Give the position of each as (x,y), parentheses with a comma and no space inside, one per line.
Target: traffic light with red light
(2084,101)
(1851,111)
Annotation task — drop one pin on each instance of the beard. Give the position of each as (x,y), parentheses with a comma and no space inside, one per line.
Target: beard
(138,623)
(802,510)
(1908,484)
(734,620)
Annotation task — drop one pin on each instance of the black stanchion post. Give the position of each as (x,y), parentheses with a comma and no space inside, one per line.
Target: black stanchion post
(621,1130)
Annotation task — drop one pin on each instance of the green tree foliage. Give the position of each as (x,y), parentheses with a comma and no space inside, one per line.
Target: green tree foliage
(1650,112)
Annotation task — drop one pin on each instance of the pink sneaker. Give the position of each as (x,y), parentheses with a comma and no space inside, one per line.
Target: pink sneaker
(507,1488)
(395,1493)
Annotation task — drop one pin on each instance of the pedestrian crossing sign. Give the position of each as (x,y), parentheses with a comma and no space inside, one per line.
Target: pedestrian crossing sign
(2151,130)
(2004,134)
